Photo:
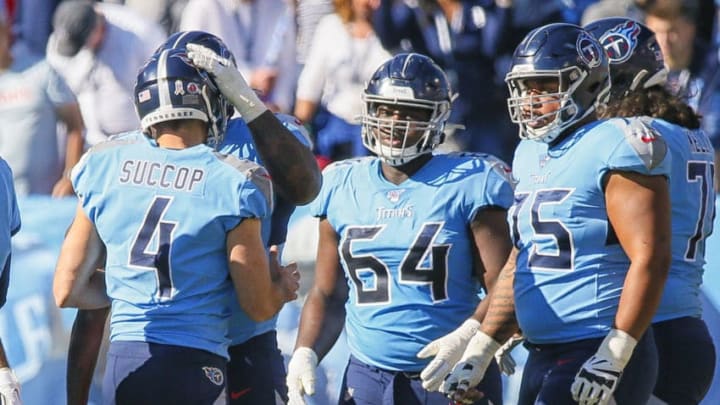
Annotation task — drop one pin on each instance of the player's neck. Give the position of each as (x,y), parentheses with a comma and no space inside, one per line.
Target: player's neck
(181,138)
(398,174)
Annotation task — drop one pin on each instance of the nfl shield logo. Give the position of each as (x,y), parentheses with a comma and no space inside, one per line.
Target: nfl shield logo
(394,195)
(542,160)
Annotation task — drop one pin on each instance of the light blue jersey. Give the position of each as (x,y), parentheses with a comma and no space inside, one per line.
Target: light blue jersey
(407,250)
(163,215)
(571,267)
(9,224)
(238,142)
(693,211)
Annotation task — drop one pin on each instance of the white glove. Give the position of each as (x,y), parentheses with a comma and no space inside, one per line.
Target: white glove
(301,375)
(9,388)
(504,357)
(447,351)
(472,366)
(598,377)
(229,80)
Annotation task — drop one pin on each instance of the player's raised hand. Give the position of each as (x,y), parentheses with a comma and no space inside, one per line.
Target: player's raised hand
(301,375)
(286,277)
(229,80)
(471,369)
(598,377)
(504,357)
(9,388)
(447,351)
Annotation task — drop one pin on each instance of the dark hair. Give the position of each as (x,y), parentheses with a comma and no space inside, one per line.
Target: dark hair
(656,102)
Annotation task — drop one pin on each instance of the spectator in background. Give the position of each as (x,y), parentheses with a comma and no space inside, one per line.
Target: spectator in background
(308,14)
(609,8)
(164,12)
(98,49)
(33,22)
(694,69)
(33,98)
(464,38)
(261,35)
(343,55)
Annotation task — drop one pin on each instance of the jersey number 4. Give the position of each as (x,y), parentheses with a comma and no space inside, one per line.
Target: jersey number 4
(411,270)
(151,247)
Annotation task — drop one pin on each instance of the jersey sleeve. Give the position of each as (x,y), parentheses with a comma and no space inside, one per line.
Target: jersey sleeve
(499,184)
(11,198)
(639,148)
(489,186)
(319,206)
(256,194)
(82,181)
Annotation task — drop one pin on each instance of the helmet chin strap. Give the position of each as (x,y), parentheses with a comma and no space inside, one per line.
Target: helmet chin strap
(214,138)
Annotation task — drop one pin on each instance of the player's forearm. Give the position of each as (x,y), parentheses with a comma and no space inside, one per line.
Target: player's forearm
(321,323)
(91,295)
(74,149)
(500,322)
(85,341)
(291,164)
(641,295)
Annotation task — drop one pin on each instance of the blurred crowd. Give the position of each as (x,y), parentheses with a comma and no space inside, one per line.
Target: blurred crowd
(67,68)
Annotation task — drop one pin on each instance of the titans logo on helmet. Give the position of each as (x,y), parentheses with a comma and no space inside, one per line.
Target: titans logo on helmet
(621,41)
(588,50)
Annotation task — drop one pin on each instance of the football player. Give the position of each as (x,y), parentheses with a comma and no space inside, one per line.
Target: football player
(591,225)
(405,239)
(685,348)
(297,181)
(177,228)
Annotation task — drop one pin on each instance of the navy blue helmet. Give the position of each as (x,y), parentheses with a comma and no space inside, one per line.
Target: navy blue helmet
(408,80)
(573,58)
(169,87)
(635,57)
(179,40)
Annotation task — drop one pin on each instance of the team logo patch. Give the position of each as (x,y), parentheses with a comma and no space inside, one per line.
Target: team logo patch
(215,375)
(394,195)
(183,57)
(589,50)
(179,89)
(193,88)
(620,41)
(543,159)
